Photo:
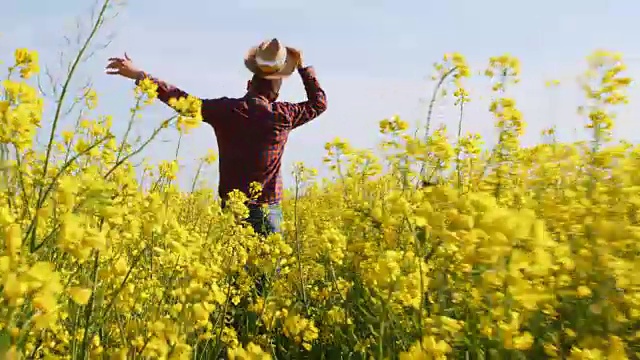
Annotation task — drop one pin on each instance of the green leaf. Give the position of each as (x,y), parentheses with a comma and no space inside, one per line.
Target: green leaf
(5,341)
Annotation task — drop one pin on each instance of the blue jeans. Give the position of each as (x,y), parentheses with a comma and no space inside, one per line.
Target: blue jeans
(265,220)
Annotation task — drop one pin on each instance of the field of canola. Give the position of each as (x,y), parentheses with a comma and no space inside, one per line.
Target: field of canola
(516,253)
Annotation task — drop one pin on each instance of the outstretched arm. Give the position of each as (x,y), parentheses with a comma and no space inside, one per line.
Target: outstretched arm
(301,113)
(166,91)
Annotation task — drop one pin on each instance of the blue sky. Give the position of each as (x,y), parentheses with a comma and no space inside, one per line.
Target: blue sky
(372,57)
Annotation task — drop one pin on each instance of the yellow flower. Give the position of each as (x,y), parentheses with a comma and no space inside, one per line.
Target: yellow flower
(79,295)
(431,239)
(251,352)
(583,291)
(13,289)
(211,157)
(200,313)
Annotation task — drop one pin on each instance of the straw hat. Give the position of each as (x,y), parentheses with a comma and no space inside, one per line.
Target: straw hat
(272,60)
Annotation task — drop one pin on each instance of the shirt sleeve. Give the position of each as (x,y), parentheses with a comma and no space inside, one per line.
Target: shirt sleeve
(166,92)
(298,114)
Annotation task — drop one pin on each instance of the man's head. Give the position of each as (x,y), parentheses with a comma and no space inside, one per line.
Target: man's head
(268,88)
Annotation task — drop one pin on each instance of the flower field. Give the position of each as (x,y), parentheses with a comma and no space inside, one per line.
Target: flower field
(507,252)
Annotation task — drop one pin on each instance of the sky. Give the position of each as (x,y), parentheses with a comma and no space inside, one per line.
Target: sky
(374,59)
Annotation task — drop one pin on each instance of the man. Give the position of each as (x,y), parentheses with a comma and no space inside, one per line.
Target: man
(252,130)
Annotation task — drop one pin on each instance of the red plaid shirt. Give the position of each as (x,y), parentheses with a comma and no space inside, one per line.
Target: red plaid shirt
(252,132)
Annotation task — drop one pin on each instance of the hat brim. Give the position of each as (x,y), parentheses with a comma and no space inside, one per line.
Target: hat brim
(289,66)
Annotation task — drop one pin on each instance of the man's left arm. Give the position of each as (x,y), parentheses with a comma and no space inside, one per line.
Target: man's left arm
(301,113)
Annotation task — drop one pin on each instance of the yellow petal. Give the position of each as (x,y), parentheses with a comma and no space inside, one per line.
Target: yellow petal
(79,295)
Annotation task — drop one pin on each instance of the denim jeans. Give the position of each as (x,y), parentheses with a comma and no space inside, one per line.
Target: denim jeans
(265,220)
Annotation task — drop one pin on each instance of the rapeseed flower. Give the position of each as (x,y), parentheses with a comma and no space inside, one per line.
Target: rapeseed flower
(426,248)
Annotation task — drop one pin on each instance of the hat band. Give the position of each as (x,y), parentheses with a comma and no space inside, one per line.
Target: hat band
(276,63)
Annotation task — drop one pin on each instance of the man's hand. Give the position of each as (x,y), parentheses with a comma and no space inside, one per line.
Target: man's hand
(123,67)
(300,64)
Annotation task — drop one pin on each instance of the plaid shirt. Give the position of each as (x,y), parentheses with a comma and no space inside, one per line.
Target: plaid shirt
(252,132)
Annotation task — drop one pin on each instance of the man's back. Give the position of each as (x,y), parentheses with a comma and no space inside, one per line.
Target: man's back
(251,139)
(251,133)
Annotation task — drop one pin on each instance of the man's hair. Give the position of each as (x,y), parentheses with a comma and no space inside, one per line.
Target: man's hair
(269,88)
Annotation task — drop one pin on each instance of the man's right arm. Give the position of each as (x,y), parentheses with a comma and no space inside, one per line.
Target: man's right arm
(301,113)
(166,92)
(123,66)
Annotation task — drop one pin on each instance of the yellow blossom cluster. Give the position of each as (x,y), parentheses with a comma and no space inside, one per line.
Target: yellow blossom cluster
(517,252)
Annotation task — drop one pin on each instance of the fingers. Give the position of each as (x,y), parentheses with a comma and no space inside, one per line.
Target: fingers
(300,57)
(114,66)
(120,60)
(113,70)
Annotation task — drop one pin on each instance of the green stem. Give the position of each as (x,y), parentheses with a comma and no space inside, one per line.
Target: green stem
(65,87)
(432,103)
(298,245)
(458,150)
(137,151)
(32,230)
(195,178)
(60,102)
(89,308)
(129,127)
